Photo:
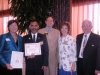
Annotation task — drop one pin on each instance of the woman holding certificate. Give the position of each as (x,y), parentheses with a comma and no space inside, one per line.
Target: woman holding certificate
(10,42)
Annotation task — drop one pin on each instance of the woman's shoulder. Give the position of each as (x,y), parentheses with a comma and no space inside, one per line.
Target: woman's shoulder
(71,37)
(4,35)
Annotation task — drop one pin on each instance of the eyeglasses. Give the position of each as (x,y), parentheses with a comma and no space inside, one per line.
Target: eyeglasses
(84,25)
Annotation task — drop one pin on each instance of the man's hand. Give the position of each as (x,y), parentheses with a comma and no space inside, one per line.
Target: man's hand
(97,72)
(44,68)
(31,56)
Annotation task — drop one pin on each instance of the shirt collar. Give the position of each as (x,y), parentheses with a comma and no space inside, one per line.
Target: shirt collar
(34,34)
(49,29)
(87,35)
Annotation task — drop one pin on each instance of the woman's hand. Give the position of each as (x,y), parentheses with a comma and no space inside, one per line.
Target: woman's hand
(73,67)
(9,67)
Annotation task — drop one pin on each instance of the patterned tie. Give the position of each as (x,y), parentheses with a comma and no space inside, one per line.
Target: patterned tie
(33,38)
(49,32)
(84,43)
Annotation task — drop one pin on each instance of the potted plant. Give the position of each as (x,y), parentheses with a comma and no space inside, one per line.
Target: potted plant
(26,10)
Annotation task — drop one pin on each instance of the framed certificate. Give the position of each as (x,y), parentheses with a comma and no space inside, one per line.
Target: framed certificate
(17,59)
(32,48)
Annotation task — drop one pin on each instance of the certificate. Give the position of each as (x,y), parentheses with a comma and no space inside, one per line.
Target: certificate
(32,48)
(17,59)
(98,74)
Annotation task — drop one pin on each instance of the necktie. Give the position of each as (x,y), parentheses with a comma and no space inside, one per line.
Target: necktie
(49,32)
(84,43)
(33,38)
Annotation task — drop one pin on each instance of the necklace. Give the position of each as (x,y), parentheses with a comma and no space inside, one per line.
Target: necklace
(65,41)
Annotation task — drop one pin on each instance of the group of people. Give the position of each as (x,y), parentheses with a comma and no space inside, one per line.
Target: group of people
(61,54)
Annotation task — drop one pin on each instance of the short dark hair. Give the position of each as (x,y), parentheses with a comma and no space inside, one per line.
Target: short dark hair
(33,21)
(50,16)
(12,21)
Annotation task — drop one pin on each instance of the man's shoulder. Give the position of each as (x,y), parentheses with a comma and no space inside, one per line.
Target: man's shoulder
(41,34)
(95,35)
(56,30)
(41,29)
(25,36)
(81,34)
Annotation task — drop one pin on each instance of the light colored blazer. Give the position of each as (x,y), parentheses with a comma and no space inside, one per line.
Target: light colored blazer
(7,45)
(52,43)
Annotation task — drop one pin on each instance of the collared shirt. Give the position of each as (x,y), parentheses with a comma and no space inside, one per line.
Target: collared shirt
(48,29)
(35,35)
(81,49)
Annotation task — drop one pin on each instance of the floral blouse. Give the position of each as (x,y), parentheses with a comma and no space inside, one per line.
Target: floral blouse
(67,52)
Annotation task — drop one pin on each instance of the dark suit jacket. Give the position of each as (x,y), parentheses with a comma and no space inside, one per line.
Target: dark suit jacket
(91,54)
(39,60)
(7,45)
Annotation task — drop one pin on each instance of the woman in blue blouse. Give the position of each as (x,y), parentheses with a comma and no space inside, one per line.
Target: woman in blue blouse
(67,51)
(9,42)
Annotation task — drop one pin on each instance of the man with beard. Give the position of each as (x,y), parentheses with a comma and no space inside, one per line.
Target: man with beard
(36,64)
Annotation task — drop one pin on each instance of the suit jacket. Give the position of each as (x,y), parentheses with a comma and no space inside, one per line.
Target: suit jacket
(53,44)
(91,54)
(39,60)
(7,45)
(53,48)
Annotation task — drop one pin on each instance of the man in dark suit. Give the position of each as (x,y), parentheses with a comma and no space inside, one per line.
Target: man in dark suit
(36,64)
(88,51)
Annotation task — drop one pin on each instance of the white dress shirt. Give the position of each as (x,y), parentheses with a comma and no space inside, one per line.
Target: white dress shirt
(81,49)
(35,36)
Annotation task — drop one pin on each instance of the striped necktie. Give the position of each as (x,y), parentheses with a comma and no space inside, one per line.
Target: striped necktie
(84,43)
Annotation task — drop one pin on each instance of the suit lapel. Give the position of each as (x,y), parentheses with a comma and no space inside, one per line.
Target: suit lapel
(12,40)
(49,36)
(30,38)
(89,39)
(52,33)
(80,41)
(38,38)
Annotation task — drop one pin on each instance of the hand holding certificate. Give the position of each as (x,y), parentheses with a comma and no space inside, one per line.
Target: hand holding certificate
(17,59)
(32,48)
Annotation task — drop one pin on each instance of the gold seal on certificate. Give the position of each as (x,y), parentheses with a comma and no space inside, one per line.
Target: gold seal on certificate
(17,59)
(32,48)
